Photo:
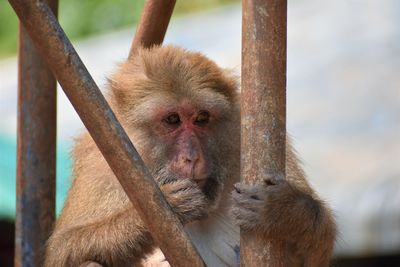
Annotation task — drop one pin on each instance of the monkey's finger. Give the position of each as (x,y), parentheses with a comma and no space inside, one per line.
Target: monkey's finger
(156,264)
(241,198)
(254,192)
(244,218)
(247,203)
(237,188)
(247,189)
(90,264)
(156,259)
(243,188)
(274,179)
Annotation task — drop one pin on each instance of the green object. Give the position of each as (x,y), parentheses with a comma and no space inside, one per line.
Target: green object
(84,18)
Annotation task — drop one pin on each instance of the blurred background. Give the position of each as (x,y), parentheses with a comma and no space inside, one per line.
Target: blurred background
(343,92)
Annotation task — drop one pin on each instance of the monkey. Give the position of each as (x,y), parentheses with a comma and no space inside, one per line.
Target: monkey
(182,113)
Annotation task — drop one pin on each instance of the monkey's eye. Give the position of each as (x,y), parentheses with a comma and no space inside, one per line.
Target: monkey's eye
(172,119)
(203,118)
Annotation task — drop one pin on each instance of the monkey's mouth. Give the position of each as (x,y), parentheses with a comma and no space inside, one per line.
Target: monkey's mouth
(211,188)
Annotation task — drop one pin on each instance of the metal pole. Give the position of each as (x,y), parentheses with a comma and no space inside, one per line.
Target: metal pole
(153,24)
(36,153)
(263,105)
(107,132)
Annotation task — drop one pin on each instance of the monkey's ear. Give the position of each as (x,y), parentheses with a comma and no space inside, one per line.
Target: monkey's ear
(127,85)
(120,91)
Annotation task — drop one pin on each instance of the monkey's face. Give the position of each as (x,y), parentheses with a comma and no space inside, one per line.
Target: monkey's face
(185,128)
(181,112)
(183,137)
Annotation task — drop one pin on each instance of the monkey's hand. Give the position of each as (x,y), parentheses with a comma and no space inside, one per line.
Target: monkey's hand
(186,199)
(155,259)
(279,210)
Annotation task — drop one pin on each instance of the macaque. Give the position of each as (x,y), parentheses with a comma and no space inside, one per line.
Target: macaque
(182,113)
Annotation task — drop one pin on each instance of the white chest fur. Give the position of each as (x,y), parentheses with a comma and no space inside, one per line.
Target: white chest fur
(216,239)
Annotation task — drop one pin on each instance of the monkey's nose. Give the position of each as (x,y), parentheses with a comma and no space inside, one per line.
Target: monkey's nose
(190,158)
(187,166)
(189,163)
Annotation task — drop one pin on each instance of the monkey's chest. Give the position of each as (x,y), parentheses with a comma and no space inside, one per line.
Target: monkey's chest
(217,240)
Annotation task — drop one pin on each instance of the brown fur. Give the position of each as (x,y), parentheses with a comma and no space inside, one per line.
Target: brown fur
(98,222)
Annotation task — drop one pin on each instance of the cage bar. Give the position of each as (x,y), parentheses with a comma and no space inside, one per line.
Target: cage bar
(36,152)
(107,132)
(153,24)
(263,106)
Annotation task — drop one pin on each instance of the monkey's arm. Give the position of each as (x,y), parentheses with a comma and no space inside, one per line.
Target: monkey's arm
(290,211)
(98,222)
(120,238)
(117,239)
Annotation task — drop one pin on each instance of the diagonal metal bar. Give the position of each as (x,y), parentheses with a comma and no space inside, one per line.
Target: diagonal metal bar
(36,153)
(263,105)
(106,131)
(153,24)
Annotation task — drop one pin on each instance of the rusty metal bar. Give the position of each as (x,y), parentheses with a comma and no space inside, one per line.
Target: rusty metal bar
(36,152)
(107,132)
(153,24)
(263,106)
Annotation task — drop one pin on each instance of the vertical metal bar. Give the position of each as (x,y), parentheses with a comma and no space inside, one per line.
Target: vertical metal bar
(153,24)
(36,152)
(263,106)
(107,132)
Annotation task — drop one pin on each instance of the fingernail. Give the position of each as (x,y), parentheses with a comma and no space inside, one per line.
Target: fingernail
(236,186)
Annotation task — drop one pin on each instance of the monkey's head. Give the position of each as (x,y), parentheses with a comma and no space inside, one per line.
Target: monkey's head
(180,110)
